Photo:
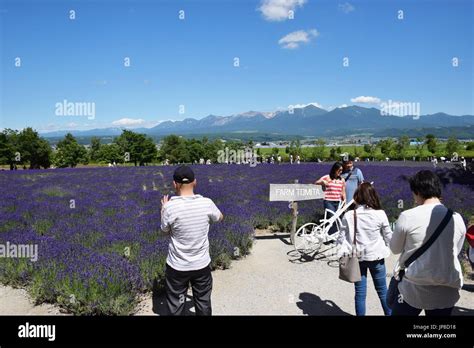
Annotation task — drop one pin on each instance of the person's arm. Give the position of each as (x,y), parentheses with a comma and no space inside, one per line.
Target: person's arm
(165,219)
(386,230)
(214,213)
(343,194)
(397,243)
(458,221)
(321,181)
(360,176)
(342,241)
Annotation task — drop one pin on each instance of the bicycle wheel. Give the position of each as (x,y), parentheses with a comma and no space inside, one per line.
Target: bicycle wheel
(305,240)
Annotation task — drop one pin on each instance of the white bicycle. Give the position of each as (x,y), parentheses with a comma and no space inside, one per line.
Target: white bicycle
(311,236)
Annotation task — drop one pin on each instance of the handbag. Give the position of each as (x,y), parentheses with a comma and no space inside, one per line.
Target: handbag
(349,269)
(393,293)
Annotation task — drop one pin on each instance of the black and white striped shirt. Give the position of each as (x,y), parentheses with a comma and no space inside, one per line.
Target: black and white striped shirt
(187,219)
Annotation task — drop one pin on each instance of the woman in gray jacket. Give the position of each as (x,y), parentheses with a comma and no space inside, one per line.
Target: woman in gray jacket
(372,239)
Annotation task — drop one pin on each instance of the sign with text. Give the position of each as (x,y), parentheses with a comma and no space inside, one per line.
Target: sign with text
(295,192)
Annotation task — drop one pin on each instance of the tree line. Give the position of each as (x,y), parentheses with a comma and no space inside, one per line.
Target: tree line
(28,150)
(399,149)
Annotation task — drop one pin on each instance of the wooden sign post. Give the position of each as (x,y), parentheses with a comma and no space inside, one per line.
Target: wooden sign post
(294,214)
(293,193)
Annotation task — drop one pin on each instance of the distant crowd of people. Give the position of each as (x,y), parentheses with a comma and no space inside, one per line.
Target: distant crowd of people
(462,161)
(278,159)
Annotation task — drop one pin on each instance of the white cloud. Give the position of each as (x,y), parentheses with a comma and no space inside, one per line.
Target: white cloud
(127,122)
(300,106)
(366,100)
(330,108)
(294,39)
(346,7)
(278,10)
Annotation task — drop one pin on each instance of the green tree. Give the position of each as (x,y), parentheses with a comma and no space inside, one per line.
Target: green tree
(211,150)
(356,151)
(70,153)
(319,150)
(109,154)
(33,150)
(431,143)
(334,153)
(196,150)
(295,148)
(370,150)
(402,146)
(367,148)
(419,147)
(386,147)
(452,146)
(94,149)
(173,148)
(136,148)
(9,148)
(149,151)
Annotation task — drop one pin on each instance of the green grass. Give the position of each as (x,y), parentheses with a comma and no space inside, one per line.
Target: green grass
(55,192)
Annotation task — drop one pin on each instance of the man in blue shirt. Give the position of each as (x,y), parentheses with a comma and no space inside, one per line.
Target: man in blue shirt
(353,177)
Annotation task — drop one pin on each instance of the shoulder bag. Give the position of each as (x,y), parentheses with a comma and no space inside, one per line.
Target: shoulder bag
(349,269)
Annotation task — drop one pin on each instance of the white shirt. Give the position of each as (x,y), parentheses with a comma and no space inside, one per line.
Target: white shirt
(434,279)
(187,218)
(373,234)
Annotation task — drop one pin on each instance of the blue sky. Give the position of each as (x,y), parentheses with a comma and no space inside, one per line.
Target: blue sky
(190,62)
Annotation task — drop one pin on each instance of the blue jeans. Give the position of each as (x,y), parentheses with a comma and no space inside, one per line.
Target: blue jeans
(378,273)
(405,309)
(331,205)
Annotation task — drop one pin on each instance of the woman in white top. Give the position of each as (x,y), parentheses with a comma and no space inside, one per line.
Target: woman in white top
(433,281)
(372,239)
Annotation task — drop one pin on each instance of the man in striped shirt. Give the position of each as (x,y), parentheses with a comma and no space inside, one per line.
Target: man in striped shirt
(186,217)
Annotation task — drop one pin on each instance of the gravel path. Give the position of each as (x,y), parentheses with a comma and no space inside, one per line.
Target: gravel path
(272,280)
(18,302)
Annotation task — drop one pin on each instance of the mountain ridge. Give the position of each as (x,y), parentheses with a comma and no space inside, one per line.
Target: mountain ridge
(308,120)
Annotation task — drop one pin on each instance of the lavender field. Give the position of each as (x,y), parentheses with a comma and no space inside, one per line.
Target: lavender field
(97,229)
